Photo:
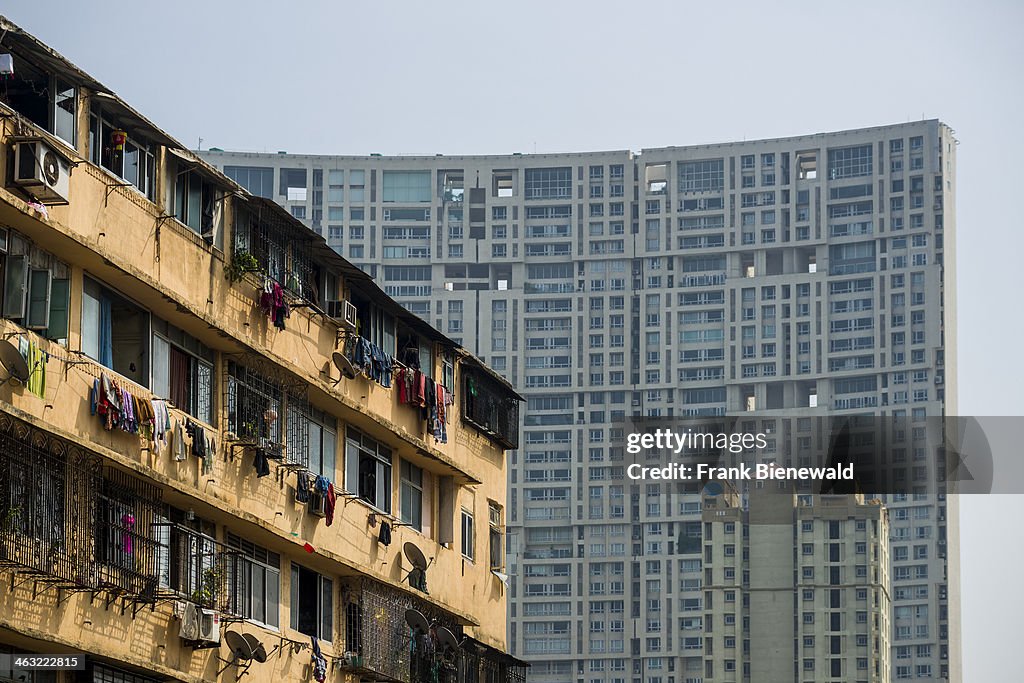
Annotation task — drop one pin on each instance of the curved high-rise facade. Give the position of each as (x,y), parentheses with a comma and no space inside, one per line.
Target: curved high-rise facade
(789,277)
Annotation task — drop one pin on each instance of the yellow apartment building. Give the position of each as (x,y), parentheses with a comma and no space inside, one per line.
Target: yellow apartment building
(224,451)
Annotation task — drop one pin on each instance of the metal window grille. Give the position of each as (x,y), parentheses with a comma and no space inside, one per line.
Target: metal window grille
(283,250)
(490,408)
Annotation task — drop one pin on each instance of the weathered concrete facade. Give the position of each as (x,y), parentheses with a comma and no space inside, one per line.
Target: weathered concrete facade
(148,269)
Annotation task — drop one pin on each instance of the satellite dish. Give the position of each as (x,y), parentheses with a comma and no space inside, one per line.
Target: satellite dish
(446,639)
(342,362)
(240,647)
(13,362)
(415,556)
(259,653)
(417,622)
(712,488)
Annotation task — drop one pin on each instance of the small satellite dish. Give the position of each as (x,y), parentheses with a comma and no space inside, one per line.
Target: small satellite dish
(13,362)
(259,653)
(712,488)
(446,639)
(240,647)
(342,362)
(415,556)
(417,622)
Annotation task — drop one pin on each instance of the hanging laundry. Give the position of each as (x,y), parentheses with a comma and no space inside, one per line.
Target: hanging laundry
(417,389)
(303,486)
(385,534)
(273,304)
(260,463)
(211,448)
(178,441)
(372,361)
(36,360)
(329,502)
(440,430)
(319,662)
(127,524)
(161,424)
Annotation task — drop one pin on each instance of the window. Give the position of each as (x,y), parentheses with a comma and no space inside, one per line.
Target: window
(849,162)
(36,288)
(312,603)
(406,186)
(115,332)
(258,180)
(254,580)
(182,370)
(495,536)
(193,201)
(312,439)
(131,160)
(701,176)
(468,540)
(548,183)
(412,495)
(368,470)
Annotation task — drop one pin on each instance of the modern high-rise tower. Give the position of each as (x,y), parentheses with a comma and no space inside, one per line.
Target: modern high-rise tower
(789,277)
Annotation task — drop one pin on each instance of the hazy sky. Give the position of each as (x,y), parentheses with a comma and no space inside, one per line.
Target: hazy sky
(487,77)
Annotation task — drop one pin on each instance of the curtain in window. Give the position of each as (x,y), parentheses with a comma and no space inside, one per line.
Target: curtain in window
(106,333)
(179,379)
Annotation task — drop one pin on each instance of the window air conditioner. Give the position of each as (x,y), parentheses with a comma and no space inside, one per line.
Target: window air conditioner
(41,171)
(348,318)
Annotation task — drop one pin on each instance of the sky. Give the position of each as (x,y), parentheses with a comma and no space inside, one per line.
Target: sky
(475,77)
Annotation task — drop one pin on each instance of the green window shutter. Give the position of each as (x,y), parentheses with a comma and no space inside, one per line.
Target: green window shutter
(38,299)
(60,309)
(15,286)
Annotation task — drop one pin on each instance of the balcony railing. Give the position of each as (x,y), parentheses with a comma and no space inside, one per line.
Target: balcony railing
(192,566)
(379,642)
(380,645)
(66,521)
(491,408)
(264,411)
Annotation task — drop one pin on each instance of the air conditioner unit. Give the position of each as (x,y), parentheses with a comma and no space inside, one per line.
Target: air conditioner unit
(209,626)
(317,505)
(344,311)
(348,318)
(200,625)
(41,171)
(189,629)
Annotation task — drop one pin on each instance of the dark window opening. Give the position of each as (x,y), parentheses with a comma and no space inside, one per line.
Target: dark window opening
(312,603)
(368,470)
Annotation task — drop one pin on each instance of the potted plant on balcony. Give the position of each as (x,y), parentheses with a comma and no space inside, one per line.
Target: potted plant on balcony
(209,587)
(242,262)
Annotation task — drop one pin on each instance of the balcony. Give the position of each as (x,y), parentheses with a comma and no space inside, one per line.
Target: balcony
(380,643)
(65,520)
(490,407)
